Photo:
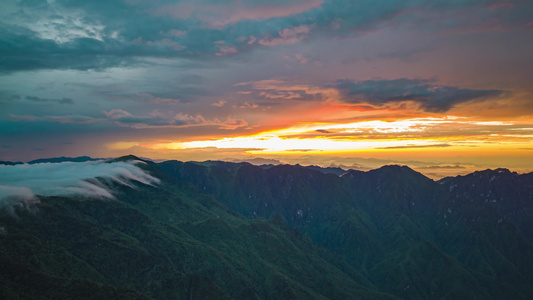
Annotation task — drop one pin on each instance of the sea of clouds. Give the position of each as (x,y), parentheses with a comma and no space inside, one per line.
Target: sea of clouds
(20,184)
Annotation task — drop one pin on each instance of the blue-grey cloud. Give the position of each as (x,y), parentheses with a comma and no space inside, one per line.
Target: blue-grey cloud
(160,120)
(61,101)
(430,97)
(65,119)
(102,34)
(20,184)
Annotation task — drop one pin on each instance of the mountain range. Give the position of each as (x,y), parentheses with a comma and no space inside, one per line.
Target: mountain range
(228,230)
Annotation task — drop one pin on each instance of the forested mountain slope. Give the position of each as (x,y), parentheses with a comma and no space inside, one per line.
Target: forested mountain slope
(467,236)
(218,230)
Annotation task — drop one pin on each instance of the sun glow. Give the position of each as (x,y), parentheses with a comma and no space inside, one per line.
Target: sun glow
(272,143)
(376,135)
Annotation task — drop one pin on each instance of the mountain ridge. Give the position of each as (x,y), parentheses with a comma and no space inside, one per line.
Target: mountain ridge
(285,231)
(391,203)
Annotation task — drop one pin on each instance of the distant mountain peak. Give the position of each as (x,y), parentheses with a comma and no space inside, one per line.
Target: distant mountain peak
(489,174)
(63,159)
(393,169)
(129,157)
(495,172)
(258,161)
(397,172)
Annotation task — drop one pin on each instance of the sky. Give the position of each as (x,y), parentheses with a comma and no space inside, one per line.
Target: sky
(445,87)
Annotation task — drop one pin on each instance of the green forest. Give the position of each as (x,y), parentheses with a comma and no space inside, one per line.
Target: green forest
(218,230)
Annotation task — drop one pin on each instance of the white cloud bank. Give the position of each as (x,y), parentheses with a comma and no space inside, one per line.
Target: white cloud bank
(19,184)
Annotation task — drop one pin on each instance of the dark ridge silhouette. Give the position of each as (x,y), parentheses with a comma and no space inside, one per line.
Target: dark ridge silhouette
(219,230)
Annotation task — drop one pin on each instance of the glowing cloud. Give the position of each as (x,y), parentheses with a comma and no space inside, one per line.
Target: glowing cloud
(417,133)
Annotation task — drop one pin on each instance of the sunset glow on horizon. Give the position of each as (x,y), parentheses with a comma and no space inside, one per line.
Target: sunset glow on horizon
(442,87)
(360,136)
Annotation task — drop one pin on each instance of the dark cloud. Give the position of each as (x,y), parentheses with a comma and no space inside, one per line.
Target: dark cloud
(61,101)
(156,93)
(147,121)
(23,49)
(65,119)
(430,97)
(22,129)
(17,98)
(101,34)
(183,93)
(160,120)
(125,118)
(323,131)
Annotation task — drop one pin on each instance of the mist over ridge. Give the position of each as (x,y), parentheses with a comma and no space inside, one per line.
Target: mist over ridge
(23,182)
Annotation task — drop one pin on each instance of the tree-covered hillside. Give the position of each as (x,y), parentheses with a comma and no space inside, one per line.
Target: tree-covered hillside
(462,237)
(218,230)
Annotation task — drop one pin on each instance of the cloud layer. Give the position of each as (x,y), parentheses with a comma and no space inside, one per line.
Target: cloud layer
(55,35)
(20,184)
(430,97)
